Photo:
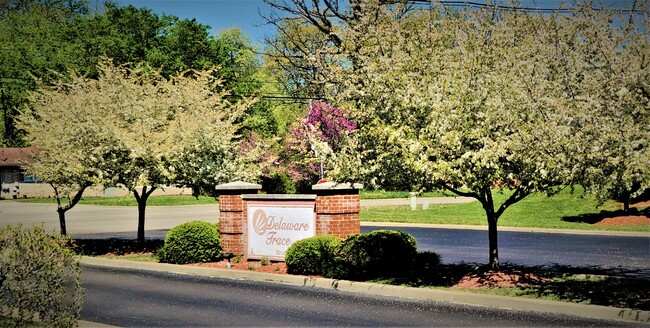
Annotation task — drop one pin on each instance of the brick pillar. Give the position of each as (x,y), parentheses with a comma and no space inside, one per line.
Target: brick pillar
(337,209)
(232,215)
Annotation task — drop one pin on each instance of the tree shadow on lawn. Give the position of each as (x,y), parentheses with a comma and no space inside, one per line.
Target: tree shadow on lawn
(593,218)
(617,287)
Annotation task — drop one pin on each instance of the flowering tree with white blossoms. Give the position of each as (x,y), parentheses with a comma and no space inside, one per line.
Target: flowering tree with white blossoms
(471,99)
(140,130)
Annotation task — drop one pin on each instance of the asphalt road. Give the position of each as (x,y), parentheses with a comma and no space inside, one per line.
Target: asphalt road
(83,219)
(130,298)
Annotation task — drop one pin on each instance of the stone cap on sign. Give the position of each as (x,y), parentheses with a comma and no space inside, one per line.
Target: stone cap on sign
(336,186)
(238,185)
(278,197)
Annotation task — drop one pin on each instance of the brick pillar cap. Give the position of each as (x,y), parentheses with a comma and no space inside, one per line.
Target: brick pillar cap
(238,185)
(336,186)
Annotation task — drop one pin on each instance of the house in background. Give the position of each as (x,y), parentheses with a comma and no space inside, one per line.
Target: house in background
(12,161)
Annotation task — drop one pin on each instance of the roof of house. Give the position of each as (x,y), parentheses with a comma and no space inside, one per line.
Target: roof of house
(16,156)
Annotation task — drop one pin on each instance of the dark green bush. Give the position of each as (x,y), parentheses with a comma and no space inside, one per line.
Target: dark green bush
(377,254)
(427,261)
(191,242)
(312,256)
(39,278)
(426,268)
(278,183)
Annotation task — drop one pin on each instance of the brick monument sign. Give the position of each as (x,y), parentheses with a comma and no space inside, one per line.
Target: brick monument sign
(264,225)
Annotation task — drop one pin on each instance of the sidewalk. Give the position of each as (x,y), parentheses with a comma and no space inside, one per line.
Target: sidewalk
(419,201)
(467,298)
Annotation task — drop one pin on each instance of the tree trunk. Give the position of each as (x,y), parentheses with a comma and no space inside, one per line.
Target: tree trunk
(494,244)
(142,205)
(61,209)
(485,197)
(61,213)
(626,199)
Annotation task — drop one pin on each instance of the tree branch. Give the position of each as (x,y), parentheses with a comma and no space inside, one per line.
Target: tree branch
(518,195)
(463,193)
(77,197)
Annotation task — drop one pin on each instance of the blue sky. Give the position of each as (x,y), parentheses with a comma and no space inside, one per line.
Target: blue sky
(219,14)
(244,14)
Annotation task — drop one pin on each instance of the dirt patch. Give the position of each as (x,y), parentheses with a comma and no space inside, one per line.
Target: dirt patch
(498,279)
(638,214)
(273,267)
(630,220)
(641,204)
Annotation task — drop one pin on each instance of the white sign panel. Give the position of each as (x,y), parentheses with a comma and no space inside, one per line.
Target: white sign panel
(273,227)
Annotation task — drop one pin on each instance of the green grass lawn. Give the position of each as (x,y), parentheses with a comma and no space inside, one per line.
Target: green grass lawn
(381,194)
(130,201)
(562,211)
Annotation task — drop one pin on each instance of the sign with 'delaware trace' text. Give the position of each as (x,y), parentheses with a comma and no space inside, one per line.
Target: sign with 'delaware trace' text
(273,227)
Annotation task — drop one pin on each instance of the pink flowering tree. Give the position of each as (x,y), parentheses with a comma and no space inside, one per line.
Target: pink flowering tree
(313,141)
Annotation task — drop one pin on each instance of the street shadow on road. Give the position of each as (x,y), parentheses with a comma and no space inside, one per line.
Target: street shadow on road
(593,218)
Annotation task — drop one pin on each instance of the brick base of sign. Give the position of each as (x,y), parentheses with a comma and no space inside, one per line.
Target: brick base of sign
(233,243)
(232,214)
(337,212)
(339,225)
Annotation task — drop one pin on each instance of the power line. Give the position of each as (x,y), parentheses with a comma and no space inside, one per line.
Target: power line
(518,8)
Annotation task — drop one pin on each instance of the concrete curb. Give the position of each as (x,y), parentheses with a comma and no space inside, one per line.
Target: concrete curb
(91,324)
(502,302)
(513,229)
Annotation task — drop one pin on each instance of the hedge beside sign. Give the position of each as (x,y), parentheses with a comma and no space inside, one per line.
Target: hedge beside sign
(273,227)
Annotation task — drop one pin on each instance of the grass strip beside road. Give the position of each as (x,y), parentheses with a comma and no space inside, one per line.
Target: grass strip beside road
(563,211)
(553,284)
(618,292)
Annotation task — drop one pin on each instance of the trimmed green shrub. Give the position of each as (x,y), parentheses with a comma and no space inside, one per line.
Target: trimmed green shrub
(191,242)
(377,254)
(312,256)
(39,278)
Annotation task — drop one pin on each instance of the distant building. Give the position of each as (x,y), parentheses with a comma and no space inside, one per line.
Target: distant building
(12,162)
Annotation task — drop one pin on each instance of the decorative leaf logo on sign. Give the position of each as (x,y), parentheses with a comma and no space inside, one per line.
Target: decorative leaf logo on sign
(260,222)
(274,227)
